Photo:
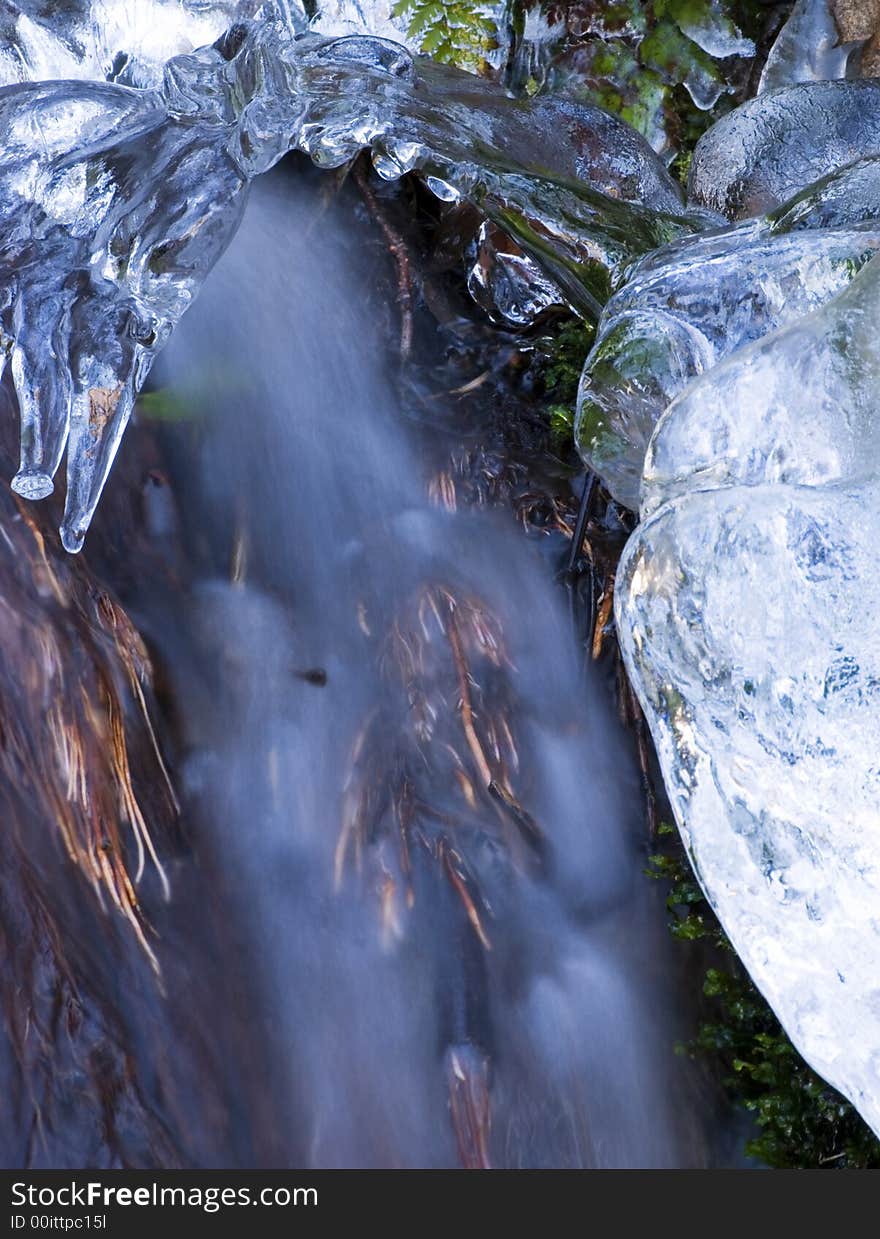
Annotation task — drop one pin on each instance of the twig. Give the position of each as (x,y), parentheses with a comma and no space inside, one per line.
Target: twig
(399,252)
(634,713)
(584,510)
(453,864)
(602,617)
(464,693)
(467,1076)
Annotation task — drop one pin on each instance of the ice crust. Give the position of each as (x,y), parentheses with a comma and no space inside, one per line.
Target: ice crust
(116,201)
(686,308)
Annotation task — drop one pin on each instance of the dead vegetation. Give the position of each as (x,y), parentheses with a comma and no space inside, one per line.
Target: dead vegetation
(437,761)
(87,807)
(73,678)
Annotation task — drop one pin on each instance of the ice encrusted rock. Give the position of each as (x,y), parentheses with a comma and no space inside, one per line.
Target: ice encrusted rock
(684,307)
(116,202)
(798,407)
(840,200)
(747,607)
(776,144)
(689,305)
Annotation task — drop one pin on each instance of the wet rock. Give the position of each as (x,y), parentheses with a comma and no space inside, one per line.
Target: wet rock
(856,20)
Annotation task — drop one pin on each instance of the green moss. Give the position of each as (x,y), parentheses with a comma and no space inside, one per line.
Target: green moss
(561,423)
(556,370)
(165,404)
(565,351)
(802,1122)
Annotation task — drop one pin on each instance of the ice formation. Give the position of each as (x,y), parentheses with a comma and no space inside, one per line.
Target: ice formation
(109,40)
(745,608)
(746,360)
(506,283)
(117,201)
(688,306)
(841,199)
(797,408)
(808,157)
(376,17)
(808,49)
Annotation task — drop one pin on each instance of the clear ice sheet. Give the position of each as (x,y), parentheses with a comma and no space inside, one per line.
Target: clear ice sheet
(808,48)
(842,199)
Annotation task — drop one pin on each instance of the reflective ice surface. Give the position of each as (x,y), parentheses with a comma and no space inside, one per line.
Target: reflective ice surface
(778,143)
(747,609)
(798,407)
(848,197)
(807,155)
(683,310)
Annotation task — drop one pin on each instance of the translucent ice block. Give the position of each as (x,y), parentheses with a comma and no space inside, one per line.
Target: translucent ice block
(686,308)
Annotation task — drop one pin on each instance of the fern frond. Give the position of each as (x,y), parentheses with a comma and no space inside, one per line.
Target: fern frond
(459,32)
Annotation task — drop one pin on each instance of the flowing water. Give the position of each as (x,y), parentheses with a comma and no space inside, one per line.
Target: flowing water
(473,975)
